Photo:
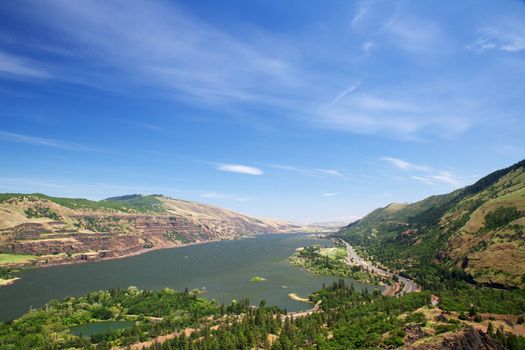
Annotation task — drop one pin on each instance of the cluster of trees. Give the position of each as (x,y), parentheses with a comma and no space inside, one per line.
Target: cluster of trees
(485,300)
(5,273)
(177,236)
(502,216)
(508,340)
(349,319)
(41,212)
(154,312)
(330,262)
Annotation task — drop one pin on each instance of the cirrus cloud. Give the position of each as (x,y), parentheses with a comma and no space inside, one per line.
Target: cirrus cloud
(240,169)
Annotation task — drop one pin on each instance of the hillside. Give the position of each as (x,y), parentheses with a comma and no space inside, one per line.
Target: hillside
(475,233)
(39,229)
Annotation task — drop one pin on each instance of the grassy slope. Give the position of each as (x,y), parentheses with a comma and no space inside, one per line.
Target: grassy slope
(125,203)
(14,258)
(450,228)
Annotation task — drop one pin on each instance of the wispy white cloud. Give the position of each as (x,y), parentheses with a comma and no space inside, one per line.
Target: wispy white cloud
(331,194)
(445,177)
(14,65)
(404,165)
(240,169)
(423,173)
(372,16)
(20,138)
(508,38)
(418,35)
(362,9)
(439,177)
(306,171)
(162,46)
(345,92)
(405,114)
(216,195)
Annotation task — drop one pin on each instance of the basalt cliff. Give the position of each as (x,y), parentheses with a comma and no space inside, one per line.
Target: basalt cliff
(55,230)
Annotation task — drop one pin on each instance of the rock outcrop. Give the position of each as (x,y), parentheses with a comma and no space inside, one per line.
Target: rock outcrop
(84,230)
(465,339)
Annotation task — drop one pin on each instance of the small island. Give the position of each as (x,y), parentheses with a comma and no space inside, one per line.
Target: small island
(257,279)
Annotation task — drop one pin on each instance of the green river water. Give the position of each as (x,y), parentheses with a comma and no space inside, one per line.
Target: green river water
(224,269)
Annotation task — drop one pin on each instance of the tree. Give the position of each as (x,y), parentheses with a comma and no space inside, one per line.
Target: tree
(490,329)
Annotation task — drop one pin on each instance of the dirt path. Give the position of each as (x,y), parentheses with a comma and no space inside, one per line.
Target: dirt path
(160,339)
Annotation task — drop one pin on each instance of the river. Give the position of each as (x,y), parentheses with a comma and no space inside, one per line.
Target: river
(223,268)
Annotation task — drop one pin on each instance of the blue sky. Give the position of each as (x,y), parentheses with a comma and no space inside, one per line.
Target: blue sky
(302,110)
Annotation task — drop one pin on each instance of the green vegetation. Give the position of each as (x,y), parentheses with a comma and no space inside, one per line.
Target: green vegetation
(5,273)
(257,279)
(348,320)
(508,340)
(179,237)
(48,328)
(428,241)
(130,203)
(330,262)
(41,212)
(485,299)
(137,202)
(6,259)
(501,217)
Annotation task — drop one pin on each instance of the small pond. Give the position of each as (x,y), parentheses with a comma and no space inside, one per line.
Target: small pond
(89,329)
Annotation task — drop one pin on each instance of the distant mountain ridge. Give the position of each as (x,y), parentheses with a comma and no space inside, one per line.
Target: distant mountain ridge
(475,233)
(64,230)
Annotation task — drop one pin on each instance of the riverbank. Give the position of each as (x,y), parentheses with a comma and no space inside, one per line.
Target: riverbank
(223,268)
(63,259)
(8,281)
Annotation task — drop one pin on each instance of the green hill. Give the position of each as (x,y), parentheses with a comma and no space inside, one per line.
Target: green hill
(475,233)
(128,203)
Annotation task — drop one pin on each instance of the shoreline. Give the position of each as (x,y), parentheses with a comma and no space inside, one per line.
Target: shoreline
(296,297)
(128,255)
(9,281)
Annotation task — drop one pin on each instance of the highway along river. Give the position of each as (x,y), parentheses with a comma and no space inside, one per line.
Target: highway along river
(224,269)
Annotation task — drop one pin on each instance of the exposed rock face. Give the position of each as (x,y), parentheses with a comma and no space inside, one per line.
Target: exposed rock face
(413,333)
(58,234)
(466,339)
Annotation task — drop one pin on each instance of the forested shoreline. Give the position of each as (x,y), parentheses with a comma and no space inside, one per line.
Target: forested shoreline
(348,319)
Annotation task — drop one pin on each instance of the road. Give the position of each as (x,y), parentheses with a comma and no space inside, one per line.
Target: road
(353,258)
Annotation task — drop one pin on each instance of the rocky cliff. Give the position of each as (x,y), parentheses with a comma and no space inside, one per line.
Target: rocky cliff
(62,230)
